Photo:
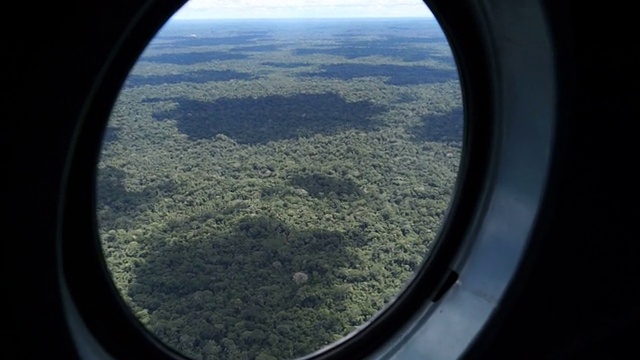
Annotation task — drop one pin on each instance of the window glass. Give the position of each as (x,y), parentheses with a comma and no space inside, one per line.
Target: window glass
(272,176)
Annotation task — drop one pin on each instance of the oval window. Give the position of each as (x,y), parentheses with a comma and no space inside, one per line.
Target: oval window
(272,176)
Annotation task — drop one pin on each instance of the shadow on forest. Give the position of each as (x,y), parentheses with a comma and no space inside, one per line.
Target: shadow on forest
(286,65)
(257,48)
(406,54)
(236,291)
(110,134)
(270,118)
(447,127)
(398,74)
(202,76)
(396,46)
(249,37)
(318,185)
(190,58)
(111,192)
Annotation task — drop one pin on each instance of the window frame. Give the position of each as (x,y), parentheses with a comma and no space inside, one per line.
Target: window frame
(491,66)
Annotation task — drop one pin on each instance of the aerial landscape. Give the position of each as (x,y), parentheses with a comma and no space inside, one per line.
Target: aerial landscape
(266,187)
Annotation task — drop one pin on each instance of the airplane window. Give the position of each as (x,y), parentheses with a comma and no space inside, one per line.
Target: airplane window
(271,178)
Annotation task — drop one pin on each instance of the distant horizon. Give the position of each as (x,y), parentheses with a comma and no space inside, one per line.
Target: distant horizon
(310,18)
(301,9)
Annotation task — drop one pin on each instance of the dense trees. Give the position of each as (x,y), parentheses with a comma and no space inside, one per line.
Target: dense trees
(292,208)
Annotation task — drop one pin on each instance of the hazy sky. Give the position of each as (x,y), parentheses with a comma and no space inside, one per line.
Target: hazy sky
(237,9)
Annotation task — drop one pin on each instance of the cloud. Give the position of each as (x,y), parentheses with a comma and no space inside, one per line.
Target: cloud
(203,9)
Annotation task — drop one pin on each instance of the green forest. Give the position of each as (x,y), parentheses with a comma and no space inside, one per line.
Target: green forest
(266,187)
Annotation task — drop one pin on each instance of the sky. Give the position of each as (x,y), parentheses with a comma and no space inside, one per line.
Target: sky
(287,9)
